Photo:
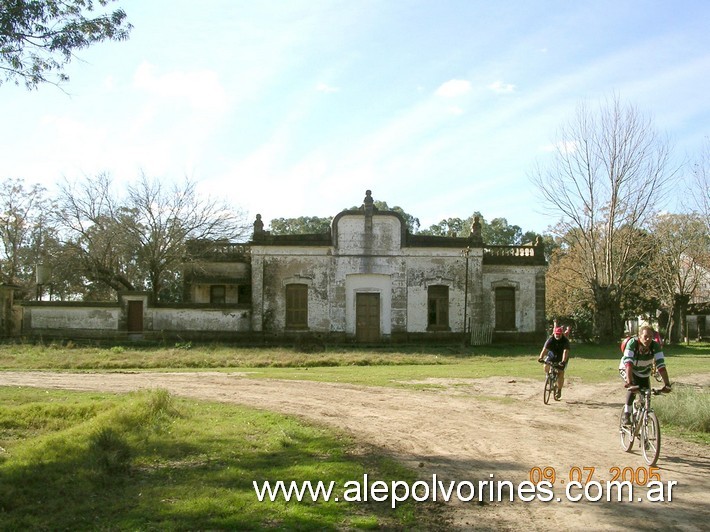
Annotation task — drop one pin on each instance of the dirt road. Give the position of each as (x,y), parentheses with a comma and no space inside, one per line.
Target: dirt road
(468,430)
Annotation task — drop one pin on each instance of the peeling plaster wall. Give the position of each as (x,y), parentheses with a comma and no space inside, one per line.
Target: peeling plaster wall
(353,238)
(368,255)
(284,266)
(59,320)
(88,318)
(524,280)
(376,263)
(221,269)
(427,267)
(227,320)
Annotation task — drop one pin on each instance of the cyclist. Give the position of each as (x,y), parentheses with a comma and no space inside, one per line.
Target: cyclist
(556,351)
(640,353)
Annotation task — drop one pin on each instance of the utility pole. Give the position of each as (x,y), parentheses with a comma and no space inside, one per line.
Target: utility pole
(465,253)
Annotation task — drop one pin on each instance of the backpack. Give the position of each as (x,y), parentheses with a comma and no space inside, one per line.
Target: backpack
(624,342)
(656,338)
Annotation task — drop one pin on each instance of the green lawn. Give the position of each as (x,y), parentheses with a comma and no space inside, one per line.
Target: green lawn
(146,461)
(74,460)
(381,367)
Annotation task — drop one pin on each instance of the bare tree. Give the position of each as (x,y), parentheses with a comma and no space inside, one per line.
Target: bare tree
(165,218)
(699,192)
(604,181)
(22,220)
(138,242)
(90,215)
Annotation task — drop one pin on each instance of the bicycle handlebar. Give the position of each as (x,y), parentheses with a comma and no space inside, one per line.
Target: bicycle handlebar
(654,391)
(558,365)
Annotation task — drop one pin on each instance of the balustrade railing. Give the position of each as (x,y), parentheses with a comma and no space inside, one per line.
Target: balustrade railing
(510,251)
(210,249)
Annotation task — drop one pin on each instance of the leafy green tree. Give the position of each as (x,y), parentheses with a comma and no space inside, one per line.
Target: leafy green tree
(411,221)
(500,233)
(497,232)
(38,38)
(567,298)
(570,300)
(304,225)
(450,227)
(608,175)
(681,244)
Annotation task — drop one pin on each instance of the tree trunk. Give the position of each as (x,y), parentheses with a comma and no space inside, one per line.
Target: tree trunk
(607,314)
(679,314)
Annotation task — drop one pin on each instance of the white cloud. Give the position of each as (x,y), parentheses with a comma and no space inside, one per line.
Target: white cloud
(324,87)
(201,88)
(502,88)
(453,88)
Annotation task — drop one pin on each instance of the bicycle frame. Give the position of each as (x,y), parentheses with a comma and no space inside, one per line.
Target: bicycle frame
(644,426)
(641,408)
(550,381)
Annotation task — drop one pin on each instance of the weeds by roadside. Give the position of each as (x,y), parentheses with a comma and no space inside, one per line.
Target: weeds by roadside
(146,460)
(687,411)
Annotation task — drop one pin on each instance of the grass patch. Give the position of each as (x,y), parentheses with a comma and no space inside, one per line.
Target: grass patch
(147,460)
(55,356)
(686,411)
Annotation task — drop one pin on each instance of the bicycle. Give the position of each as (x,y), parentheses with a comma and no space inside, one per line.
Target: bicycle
(644,426)
(550,381)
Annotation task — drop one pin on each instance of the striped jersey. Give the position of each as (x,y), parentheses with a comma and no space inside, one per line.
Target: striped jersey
(642,360)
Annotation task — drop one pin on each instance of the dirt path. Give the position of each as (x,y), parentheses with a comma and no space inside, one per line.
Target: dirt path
(467,430)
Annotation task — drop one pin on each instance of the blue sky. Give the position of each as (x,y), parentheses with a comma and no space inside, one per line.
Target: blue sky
(296,107)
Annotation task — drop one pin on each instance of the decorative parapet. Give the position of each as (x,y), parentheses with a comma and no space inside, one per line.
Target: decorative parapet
(217,250)
(316,239)
(514,255)
(228,251)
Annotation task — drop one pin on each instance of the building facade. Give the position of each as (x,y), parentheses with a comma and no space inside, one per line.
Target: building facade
(369,280)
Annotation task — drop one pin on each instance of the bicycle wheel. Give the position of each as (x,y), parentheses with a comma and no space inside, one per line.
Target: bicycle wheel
(549,386)
(626,432)
(651,439)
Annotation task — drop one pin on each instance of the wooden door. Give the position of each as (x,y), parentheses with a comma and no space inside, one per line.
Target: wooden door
(135,316)
(505,309)
(367,317)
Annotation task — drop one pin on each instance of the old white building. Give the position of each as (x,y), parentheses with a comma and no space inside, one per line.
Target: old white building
(369,280)
(365,280)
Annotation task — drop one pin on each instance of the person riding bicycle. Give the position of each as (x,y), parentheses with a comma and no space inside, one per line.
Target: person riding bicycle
(556,351)
(640,353)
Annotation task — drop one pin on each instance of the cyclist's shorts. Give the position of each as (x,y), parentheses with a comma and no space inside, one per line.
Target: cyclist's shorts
(552,359)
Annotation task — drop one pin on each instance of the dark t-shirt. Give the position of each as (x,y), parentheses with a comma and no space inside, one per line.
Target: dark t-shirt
(557,346)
